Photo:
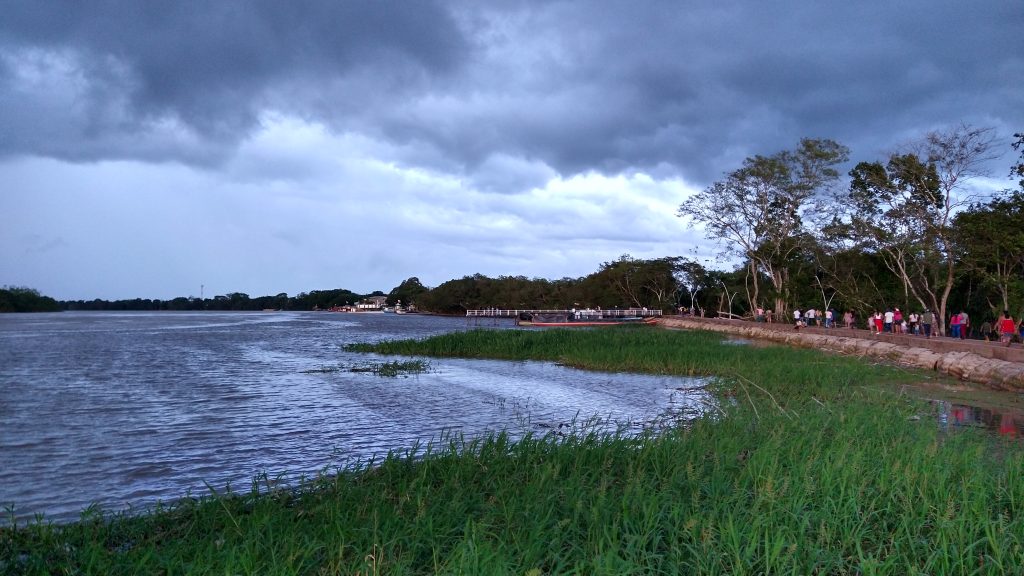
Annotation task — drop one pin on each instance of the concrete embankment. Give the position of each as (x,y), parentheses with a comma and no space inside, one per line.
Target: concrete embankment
(997,367)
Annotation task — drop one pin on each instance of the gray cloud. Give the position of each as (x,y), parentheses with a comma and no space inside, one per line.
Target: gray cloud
(121,71)
(358,142)
(573,85)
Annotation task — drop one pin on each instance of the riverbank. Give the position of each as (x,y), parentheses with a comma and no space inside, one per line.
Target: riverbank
(987,363)
(806,463)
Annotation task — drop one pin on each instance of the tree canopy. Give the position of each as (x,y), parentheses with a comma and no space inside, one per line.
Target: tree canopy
(22,299)
(760,211)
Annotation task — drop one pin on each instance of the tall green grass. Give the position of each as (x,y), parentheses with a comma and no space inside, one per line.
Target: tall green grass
(786,372)
(810,467)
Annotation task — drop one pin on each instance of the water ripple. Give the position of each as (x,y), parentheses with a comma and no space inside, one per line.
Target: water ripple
(125,409)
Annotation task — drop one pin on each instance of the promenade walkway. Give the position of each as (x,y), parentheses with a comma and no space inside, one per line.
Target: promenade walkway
(939,344)
(987,363)
(577,312)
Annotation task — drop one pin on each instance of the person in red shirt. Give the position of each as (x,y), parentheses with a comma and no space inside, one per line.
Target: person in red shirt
(1006,328)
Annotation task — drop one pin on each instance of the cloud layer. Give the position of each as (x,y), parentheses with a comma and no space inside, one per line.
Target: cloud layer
(356,143)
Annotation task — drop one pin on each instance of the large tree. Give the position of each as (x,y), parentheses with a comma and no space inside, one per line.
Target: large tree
(407,293)
(757,212)
(991,236)
(904,209)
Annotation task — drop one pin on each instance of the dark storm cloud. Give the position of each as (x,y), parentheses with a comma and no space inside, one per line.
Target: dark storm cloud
(498,91)
(702,85)
(212,67)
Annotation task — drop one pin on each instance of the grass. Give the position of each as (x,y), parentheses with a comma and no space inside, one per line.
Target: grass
(391,369)
(789,373)
(811,465)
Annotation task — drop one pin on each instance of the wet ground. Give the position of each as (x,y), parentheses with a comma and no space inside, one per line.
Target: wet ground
(963,406)
(957,405)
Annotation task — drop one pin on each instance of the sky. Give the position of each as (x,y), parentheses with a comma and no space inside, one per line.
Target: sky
(164,149)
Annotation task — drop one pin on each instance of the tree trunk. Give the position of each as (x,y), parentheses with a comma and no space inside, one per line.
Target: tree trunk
(755,300)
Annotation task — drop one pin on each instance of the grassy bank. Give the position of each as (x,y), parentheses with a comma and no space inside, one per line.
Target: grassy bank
(812,464)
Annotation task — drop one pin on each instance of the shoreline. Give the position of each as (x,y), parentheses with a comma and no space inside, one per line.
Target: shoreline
(807,466)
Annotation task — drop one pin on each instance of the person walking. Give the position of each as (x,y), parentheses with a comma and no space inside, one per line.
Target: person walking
(927,319)
(1006,328)
(986,330)
(965,325)
(954,326)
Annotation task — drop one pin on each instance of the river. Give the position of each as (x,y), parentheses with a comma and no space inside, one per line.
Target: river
(121,410)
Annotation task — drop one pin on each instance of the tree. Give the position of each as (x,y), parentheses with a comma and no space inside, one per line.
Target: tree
(642,283)
(408,292)
(457,296)
(694,278)
(757,212)
(858,277)
(22,299)
(904,210)
(1017,170)
(991,237)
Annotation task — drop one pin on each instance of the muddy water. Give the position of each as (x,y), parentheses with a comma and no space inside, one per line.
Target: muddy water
(1004,422)
(957,407)
(124,409)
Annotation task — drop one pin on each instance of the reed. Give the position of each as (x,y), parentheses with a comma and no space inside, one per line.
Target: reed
(787,372)
(811,465)
(390,369)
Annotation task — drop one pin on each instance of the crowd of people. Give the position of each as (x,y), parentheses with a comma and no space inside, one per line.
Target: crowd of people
(894,321)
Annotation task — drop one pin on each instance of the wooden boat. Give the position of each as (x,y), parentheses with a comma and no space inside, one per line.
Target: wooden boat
(567,321)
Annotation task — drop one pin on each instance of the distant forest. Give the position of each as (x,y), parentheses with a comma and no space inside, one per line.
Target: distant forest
(899,232)
(19,299)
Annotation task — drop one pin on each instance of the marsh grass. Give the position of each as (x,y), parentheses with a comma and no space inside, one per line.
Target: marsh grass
(390,369)
(809,467)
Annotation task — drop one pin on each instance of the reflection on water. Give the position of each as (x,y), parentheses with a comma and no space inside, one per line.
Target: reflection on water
(1009,424)
(123,409)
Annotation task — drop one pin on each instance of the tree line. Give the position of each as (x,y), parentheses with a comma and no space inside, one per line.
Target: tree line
(902,231)
(22,299)
(907,230)
(234,301)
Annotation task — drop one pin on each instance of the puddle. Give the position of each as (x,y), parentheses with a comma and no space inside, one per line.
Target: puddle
(960,407)
(740,341)
(1006,423)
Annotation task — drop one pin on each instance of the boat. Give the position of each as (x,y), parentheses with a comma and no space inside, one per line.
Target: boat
(562,320)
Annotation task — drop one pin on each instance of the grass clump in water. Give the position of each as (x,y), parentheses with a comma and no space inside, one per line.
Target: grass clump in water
(809,467)
(391,369)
